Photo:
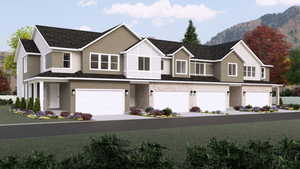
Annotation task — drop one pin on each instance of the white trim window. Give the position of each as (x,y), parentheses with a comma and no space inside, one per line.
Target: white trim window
(162,65)
(25,62)
(181,67)
(232,69)
(143,63)
(263,73)
(249,71)
(67,60)
(200,68)
(106,62)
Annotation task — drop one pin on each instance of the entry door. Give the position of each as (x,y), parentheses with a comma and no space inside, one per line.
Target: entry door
(54,95)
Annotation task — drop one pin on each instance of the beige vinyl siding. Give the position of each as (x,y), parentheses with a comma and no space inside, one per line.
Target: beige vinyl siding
(33,66)
(181,55)
(114,43)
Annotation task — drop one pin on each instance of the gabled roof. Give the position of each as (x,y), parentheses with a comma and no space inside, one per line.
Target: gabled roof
(29,46)
(141,41)
(205,52)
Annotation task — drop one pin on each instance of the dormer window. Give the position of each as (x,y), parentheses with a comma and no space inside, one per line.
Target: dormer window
(232,69)
(67,60)
(144,63)
(249,71)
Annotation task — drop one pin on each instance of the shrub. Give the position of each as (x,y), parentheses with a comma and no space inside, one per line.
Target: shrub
(266,108)
(37,106)
(237,108)
(248,107)
(135,111)
(30,104)
(77,116)
(296,106)
(167,111)
(256,109)
(156,112)
(40,113)
(17,103)
(49,113)
(23,104)
(148,109)
(86,116)
(280,102)
(195,109)
(65,114)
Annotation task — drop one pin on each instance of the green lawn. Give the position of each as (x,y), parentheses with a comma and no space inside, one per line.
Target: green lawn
(7,117)
(175,139)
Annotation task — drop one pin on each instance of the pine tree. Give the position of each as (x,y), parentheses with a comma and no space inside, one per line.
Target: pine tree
(191,37)
(18,104)
(37,106)
(30,104)
(23,104)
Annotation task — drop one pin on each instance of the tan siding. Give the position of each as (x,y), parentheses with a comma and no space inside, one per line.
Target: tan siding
(114,43)
(98,85)
(181,55)
(267,74)
(33,66)
(65,94)
(210,68)
(222,69)
(235,96)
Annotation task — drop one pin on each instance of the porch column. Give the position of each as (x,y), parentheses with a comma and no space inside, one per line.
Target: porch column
(277,95)
(34,90)
(41,95)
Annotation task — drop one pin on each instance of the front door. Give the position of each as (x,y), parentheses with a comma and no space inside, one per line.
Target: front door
(54,95)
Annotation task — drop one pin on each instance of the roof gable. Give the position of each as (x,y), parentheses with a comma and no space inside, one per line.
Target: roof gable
(141,42)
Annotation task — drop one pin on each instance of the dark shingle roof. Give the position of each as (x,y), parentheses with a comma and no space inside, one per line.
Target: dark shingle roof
(68,38)
(80,74)
(199,51)
(29,46)
(192,78)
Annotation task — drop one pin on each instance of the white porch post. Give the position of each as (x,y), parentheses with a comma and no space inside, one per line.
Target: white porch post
(278,95)
(41,95)
(34,90)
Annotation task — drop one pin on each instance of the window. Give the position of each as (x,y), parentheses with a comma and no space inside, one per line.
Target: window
(249,71)
(232,69)
(162,65)
(181,67)
(94,61)
(104,62)
(200,68)
(25,64)
(144,63)
(263,73)
(67,60)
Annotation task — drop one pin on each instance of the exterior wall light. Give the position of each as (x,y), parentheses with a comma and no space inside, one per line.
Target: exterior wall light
(228,92)
(244,92)
(195,91)
(191,92)
(151,92)
(73,91)
(126,92)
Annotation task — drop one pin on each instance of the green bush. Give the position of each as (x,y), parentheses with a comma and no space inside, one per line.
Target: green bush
(167,111)
(37,106)
(30,104)
(23,104)
(149,109)
(17,103)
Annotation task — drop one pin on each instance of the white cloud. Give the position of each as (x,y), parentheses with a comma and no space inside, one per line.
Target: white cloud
(132,23)
(85,28)
(162,10)
(86,3)
(277,2)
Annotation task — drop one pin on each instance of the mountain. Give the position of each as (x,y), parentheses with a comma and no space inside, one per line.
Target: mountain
(287,23)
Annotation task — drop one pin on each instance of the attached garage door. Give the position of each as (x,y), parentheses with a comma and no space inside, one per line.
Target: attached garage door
(212,101)
(100,102)
(259,99)
(177,101)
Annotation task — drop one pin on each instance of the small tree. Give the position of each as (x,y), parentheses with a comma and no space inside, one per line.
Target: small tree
(4,85)
(30,104)
(191,37)
(23,104)
(37,106)
(18,104)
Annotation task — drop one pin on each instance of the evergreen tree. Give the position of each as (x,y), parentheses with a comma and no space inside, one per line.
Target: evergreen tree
(37,106)
(17,104)
(191,37)
(23,104)
(30,104)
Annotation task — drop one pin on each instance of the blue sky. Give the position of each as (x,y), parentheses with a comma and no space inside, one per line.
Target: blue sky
(165,19)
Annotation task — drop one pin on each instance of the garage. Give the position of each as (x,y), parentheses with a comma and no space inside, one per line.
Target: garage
(177,101)
(258,99)
(100,101)
(212,101)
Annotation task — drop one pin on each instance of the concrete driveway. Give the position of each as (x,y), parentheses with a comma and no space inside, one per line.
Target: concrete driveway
(119,117)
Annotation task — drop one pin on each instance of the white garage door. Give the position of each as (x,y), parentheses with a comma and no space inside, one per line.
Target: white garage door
(212,101)
(259,99)
(177,101)
(100,101)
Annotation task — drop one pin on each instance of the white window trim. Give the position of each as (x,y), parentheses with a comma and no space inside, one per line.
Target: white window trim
(186,67)
(63,58)
(25,64)
(263,77)
(251,71)
(149,63)
(109,62)
(236,69)
(204,72)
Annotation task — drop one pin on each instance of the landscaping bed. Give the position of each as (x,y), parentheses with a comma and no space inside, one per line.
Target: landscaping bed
(290,107)
(249,108)
(151,112)
(197,109)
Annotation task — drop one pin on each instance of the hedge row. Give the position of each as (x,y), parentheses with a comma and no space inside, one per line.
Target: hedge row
(110,152)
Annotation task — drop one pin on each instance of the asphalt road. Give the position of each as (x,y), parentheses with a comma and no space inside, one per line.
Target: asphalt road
(39,130)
